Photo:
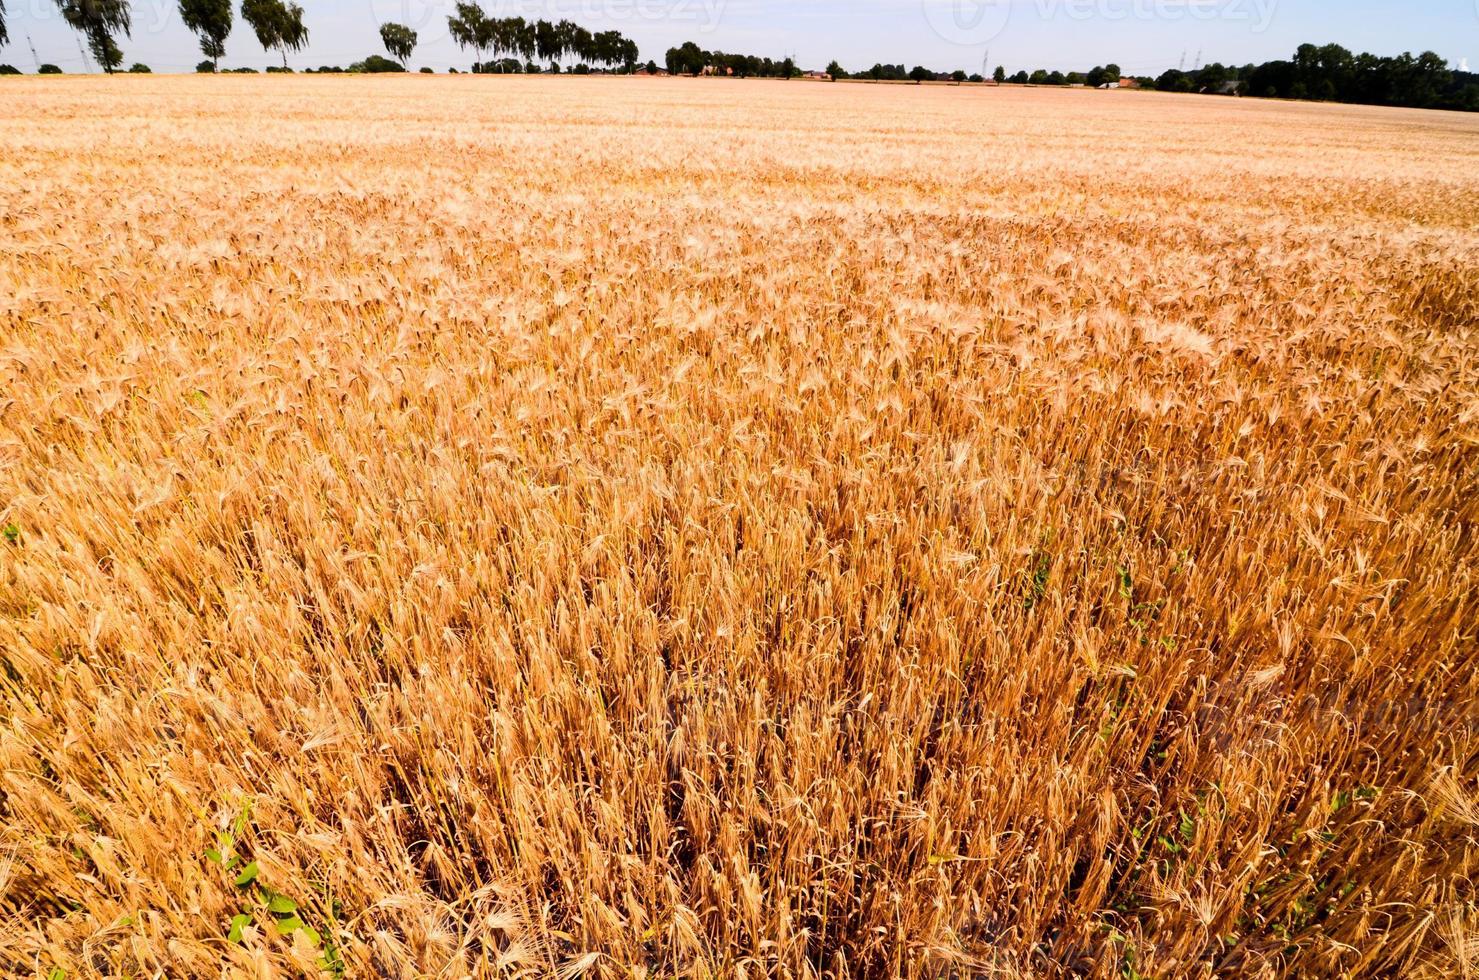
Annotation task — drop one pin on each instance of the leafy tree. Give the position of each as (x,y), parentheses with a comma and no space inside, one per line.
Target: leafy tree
(48,69)
(1174,80)
(548,42)
(276,24)
(98,21)
(264,19)
(919,73)
(139,68)
(4,34)
(1213,77)
(1000,75)
(469,28)
(888,73)
(836,70)
(206,67)
(976,79)
(9,70)
(687,60)
(211,19)
(399,40)
(958,76)
(108,53)
(577,41)
(294,35)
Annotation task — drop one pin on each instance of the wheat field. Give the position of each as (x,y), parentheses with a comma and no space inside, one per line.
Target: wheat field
(692,528)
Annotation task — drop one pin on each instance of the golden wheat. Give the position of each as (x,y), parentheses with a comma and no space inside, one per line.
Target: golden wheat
(642,528)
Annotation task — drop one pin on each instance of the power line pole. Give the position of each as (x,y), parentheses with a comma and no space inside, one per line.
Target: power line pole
(1182,66)
(34,56)
(1199,60)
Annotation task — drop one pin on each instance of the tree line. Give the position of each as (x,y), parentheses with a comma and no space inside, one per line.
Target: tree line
(1328,73)
(690,59)
(278,25)
(1331,73)
(550,42)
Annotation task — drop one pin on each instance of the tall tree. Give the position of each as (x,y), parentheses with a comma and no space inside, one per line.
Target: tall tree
(525,39)
(4,36)
(211,19)
(98,21)
(469,28)
(1000,75)
(546,41)
(276,24)
(399,40)
(582,44)
(294,31)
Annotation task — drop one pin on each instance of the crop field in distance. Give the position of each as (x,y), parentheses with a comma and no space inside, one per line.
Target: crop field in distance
(689,528)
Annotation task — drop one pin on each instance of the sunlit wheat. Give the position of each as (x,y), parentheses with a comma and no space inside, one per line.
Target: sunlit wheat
(636,528)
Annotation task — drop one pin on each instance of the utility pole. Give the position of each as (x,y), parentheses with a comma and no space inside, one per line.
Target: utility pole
(1199,60)
(34,56)
(1182,66)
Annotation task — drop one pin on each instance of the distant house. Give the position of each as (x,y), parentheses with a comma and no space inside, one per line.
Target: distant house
(819,76)
(717,70)
(645,73)
(1129,83)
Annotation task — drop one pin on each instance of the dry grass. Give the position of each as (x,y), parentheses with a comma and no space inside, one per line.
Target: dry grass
(638,528)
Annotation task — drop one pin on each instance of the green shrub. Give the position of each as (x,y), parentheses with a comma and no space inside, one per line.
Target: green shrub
(139,68)
(49,69)
(375,65)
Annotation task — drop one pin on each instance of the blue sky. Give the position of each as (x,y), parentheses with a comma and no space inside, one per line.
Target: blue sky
(1142,36)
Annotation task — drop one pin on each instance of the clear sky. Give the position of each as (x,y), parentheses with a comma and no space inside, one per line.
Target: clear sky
(1142,36)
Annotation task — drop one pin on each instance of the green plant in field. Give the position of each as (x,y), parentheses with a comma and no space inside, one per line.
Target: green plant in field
(1127,956)
(1039,566)
(270,908)
(1141,614)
